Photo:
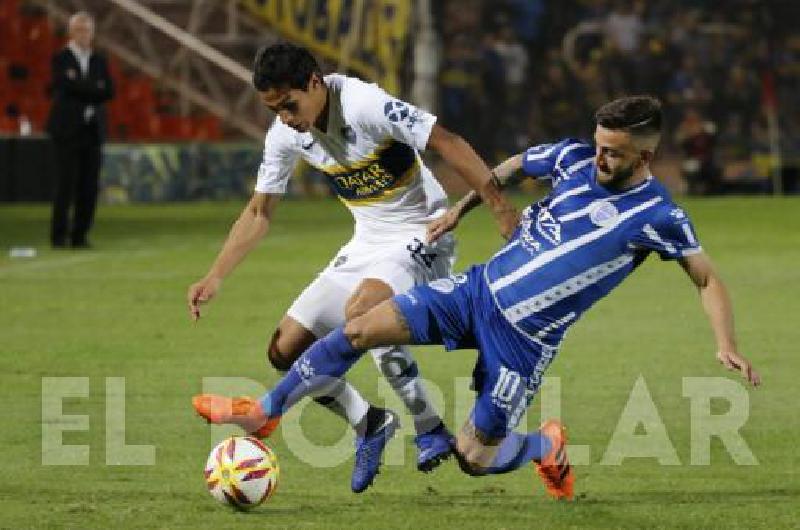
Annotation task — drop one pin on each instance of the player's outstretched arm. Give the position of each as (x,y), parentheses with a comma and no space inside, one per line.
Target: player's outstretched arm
(247,231)
(502,175)
(718,308)
(461,157)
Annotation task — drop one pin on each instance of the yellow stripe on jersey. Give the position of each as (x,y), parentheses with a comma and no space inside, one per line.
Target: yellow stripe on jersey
(335,169)
(402,183)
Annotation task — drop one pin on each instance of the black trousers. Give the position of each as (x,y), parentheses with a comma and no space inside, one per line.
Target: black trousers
(79,159)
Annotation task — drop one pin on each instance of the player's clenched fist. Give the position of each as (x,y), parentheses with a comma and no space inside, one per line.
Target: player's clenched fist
(200,293)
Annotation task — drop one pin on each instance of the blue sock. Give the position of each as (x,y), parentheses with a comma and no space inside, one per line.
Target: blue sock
(321,365)
(517,450)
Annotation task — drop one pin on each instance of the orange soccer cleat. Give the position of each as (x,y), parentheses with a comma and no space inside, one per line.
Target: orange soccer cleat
(242,411)
(554,468)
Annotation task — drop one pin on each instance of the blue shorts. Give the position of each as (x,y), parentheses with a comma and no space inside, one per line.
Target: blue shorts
(459,312)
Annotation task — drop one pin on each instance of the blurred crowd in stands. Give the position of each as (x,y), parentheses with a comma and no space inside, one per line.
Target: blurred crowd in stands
(520,72)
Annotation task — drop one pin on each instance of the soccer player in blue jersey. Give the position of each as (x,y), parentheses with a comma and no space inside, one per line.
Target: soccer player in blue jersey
(368,145)
(605,214)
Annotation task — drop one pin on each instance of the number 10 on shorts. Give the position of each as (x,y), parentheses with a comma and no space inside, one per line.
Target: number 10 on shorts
(505,389)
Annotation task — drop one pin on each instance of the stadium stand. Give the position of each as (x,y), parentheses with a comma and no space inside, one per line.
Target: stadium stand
(714,68)
(140,111)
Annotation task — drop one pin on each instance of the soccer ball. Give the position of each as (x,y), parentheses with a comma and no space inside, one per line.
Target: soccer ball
(242,472)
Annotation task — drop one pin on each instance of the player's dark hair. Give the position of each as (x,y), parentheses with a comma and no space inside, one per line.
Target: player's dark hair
(283,65)
(637,115)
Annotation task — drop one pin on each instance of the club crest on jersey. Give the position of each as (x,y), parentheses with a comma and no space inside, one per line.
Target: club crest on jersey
(448,285)
(677,214)
(603,213)
(395,110)
(548,226)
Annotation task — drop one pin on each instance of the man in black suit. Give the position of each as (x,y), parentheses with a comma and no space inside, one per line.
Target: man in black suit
(81,84)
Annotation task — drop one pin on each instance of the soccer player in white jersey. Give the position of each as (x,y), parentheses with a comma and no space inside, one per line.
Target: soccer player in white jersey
(604,215)
(367,143)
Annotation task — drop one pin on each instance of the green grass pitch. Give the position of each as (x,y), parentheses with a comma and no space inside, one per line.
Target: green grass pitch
(119,311)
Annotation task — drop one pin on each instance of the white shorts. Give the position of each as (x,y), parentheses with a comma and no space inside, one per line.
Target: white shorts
(400,263)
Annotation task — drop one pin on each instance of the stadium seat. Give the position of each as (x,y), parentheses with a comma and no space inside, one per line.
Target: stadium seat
(27,42)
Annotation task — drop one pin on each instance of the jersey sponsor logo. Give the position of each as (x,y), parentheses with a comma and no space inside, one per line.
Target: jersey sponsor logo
(396,111)
(548,226)
(390,167)
(603,213)
(528,242)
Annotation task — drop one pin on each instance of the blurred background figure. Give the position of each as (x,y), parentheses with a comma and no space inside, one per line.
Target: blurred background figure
(81,85)
(696,137)
(624,35)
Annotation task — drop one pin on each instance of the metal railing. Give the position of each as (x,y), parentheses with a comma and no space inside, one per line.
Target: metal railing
(177,55)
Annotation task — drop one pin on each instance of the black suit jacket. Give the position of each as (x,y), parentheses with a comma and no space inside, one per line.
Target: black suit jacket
(72,93)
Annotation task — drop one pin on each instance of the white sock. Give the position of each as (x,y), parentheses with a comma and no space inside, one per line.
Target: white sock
(346,402)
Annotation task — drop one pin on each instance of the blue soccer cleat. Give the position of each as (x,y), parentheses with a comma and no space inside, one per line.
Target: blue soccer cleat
(434,448)
(369,450)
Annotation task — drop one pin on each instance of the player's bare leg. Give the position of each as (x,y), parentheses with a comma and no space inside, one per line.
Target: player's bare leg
(479,453)
(475,450)
(433,440)
(381,326)
(288,342)
(313,373)
(374,426)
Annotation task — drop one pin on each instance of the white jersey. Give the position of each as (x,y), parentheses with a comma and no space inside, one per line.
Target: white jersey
(370,155)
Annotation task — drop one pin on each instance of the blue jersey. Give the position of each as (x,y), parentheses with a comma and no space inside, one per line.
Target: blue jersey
(571,248)
(579,242)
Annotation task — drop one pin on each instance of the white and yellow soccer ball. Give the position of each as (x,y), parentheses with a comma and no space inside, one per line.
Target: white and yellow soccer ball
(242,472)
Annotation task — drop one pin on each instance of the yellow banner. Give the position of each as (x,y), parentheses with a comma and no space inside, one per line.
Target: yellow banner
(373,48)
